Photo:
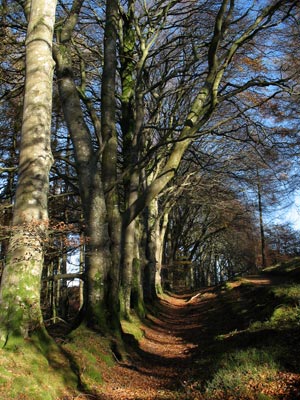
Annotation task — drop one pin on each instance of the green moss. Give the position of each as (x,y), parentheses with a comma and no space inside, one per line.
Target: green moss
(2,381)
(90,357)
(93,374)
(108,359)
(4,376)
(159,289)
(140,309)
(100,317)
(137,295)
(289,293)
(98,280)
(32,391)
(14,342)
(123,314)
(133,327)
(285,317)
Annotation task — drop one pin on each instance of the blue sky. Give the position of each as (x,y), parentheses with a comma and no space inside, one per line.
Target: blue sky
(293,214)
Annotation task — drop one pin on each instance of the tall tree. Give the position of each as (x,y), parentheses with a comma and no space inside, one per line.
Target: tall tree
(20,285)
(98,258)
(110,153)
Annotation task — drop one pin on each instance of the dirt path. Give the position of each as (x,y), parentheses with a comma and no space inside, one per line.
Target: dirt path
(178,346)
(161,369)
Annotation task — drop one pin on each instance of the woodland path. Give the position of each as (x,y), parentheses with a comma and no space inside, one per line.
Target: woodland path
(162,367)
(171,353)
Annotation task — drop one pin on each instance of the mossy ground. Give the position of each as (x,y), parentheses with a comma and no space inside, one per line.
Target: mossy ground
(133,327)
(90,354)
(26,373)
(33,370)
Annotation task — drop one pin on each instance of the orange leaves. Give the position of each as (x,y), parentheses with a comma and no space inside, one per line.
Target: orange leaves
(252,98)
(62,227)
(246,63)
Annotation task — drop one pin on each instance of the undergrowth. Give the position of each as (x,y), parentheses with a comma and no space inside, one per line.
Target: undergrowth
(242,371)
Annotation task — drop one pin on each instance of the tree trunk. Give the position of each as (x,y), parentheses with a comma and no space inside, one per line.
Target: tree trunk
(261,222)
(157,226)
(161,232)
(20,287)
(97,254)
(130,244)
(110,152)
(129,251)
(152,243)
(137,293)
(149,275)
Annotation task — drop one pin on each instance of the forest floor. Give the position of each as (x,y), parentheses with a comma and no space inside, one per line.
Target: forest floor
(240,340)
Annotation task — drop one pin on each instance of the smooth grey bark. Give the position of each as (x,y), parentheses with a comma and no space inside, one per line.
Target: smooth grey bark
(160,237)
(20,312)
(130,245)
(150,269)
(97,254)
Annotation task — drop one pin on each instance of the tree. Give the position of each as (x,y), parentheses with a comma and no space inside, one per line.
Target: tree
(20,285)
(98,256)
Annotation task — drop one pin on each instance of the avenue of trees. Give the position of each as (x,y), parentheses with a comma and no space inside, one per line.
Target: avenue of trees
(137,136)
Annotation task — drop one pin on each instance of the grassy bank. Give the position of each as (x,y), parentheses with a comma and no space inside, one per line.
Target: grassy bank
(260,358)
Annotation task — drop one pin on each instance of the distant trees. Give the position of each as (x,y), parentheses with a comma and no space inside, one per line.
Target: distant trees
(282,243)
(213,229)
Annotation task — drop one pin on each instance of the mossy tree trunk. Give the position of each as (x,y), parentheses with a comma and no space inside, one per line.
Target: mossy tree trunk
(129,251)
(20,312)
(131,238)
(131,122)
